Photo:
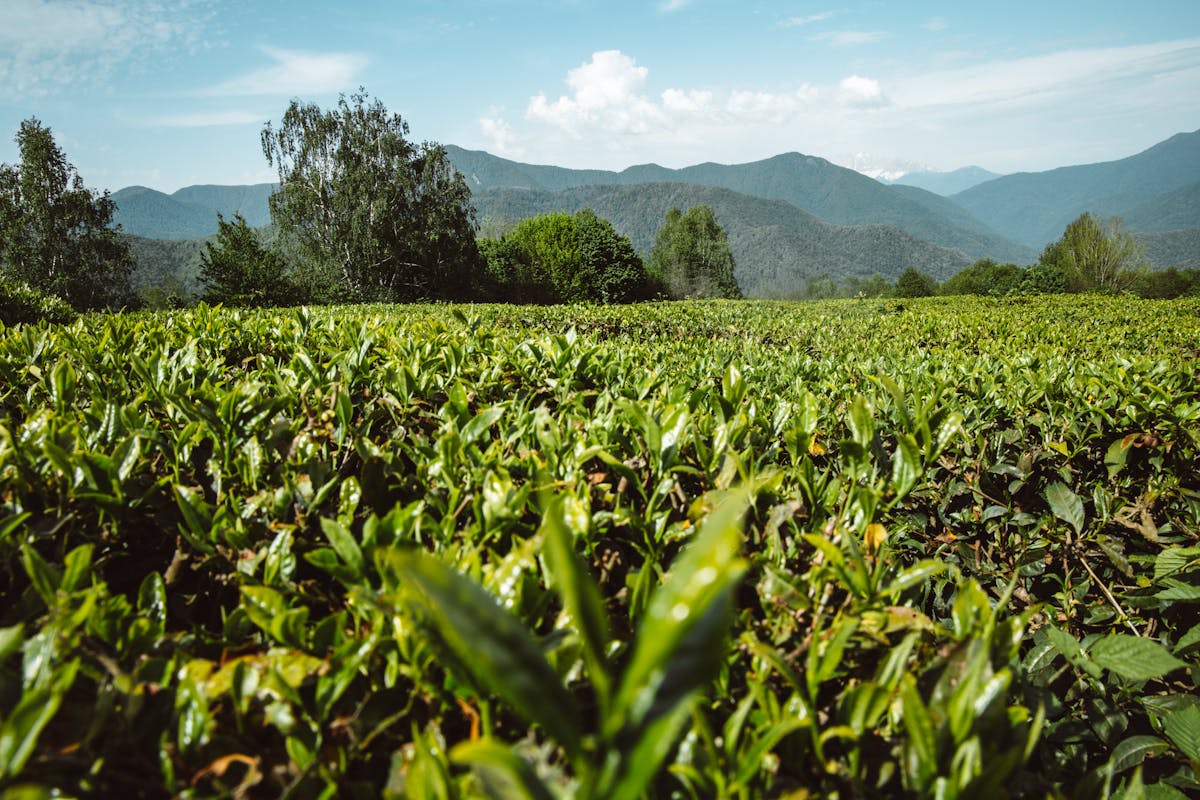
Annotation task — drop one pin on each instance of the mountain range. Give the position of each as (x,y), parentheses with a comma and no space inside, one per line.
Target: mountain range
(793,216)
(946,183)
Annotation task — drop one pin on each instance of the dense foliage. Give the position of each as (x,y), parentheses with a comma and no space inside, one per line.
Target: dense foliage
(564,258)
(373,216)
(21,303)
(1097,255)
(237,269)
(705,550)
(691,255)
(914,283)
(54,231)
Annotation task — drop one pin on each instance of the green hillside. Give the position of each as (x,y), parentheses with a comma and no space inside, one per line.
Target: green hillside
(249,201)
(1171,211)
(1035,207)
(776,247)
(154,215)
(1179,249)
(166,263)
(832,193)
(191,212)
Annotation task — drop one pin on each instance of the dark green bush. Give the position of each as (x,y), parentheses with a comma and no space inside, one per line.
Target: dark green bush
(20,302)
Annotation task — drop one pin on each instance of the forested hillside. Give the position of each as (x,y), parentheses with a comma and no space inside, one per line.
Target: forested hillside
(834,194)
(776,247)
(1033,207)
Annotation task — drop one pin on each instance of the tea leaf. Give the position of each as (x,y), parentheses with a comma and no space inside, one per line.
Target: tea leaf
(1134,658)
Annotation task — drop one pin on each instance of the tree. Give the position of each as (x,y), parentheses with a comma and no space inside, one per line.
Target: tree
(914,283)
(564,258)
(375,216)
(985,277)
(691,255)
(1097,255)
(238,270)
(55,233)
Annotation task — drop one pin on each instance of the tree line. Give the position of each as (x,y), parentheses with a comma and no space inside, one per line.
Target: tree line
(364,214)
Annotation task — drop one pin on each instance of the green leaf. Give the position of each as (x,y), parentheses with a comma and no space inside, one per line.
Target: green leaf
(45,578)
(497,649)
(21,728)
(906,465)
(11,639)
(502,773)
(1134,750)
(679,649)
(1066,505)
(1179,590)
(343,544)
(1133,657)
(77,566)
(566,518)
(1174,559)
(262,605)
(479,424)
(1183,729)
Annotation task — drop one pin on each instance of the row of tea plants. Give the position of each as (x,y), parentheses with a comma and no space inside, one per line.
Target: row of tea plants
(852,549)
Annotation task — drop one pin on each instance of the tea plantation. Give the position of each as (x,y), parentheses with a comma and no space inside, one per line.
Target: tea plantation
(949,548)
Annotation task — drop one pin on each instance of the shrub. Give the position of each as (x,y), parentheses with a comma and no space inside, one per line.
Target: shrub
(21,303)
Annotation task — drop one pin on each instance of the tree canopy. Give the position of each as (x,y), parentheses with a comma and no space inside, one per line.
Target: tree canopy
(691,255)
(1097,255)
(565,258)
(914,283)
(238,270)
(375,216)
(54,231)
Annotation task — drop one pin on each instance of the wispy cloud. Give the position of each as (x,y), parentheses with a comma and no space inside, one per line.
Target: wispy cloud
(48,44)
(611,115)
(667,6)
(936,24)
(850,38)
(502,139)
(1121,73)
(210,119)
(795,22)
(295,72)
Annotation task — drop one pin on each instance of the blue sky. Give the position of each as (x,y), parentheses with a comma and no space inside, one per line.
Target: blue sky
(167,93)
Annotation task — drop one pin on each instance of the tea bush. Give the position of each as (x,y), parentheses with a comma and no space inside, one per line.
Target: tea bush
(720,549)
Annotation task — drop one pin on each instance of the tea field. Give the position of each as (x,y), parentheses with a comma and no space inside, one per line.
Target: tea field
(949,548)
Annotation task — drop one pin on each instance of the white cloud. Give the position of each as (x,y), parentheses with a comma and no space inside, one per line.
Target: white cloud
(859,92)
(1022,113)
(502,139)
(936,24)
(48,44)
(667,6)
(605,95)
(795,22)
(294,73)
(850,38)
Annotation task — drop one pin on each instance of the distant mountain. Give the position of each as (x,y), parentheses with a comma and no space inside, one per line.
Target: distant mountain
(946,183)
(249,201)
(191,212)
(1178,248)
(1035,207)
(1172,211)
(776,247)
(832,193)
